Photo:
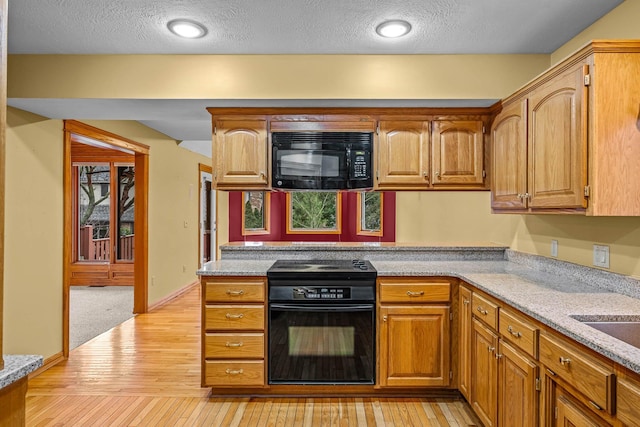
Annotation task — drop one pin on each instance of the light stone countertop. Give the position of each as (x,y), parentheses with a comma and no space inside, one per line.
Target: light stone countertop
(17,367)
(552,295)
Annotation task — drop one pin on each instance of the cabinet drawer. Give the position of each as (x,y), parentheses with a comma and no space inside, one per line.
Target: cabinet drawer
(586,374)
(519,331)
(414,292)
(485,310)
(627,397)
(234,346)
(234,317)
(234,291)
(231,373)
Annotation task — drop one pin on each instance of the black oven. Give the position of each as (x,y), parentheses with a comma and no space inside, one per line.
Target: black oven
(321,323)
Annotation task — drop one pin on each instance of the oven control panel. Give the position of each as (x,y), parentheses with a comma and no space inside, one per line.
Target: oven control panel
(321,293)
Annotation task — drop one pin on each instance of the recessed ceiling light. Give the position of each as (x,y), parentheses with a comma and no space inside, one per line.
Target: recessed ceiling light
(187,29)
(395,28)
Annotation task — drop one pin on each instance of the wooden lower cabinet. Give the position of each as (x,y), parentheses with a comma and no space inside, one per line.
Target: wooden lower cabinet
(518,388)
(628,400)
(484,373)
(569,412)
(464,341)
(414,346)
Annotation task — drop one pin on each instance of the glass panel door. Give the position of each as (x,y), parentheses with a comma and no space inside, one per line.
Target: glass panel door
(124,213)
(94,217)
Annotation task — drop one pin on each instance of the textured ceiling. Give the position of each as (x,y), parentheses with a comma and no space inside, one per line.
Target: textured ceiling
(278,27)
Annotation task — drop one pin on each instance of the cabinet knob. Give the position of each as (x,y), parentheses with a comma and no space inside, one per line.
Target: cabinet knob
(438,175)
(564,361)
(491,349)
(465,301)
(498,356)
(384,318)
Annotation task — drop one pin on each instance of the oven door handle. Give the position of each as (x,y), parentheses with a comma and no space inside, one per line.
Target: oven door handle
(333,308)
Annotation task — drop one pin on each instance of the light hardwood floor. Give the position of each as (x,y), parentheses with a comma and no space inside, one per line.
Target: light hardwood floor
(146,372)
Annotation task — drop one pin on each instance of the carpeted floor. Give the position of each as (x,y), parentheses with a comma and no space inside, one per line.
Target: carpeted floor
(94,310)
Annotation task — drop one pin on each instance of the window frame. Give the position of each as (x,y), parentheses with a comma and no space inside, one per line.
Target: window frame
(359,216)
(327,231)
(266,211)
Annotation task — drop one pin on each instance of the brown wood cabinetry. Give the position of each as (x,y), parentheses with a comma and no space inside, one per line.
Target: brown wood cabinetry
(233,331)
(403,154)
(458,152)
(518,385)
(568,140)
(240,159)
(569,412)
(464,341)
(628,400)
(414,339)
(484,373)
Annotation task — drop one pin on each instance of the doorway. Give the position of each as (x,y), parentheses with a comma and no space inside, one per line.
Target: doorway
(105,222)
(207,229)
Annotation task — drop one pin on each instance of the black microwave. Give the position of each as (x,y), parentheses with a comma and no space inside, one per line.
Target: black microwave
(322,160)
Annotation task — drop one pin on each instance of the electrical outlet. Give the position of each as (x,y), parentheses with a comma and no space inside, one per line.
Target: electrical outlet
(554,248)
(601,256)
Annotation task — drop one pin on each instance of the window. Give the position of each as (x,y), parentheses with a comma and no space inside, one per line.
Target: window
(315,212)
(255,212)
(369,220)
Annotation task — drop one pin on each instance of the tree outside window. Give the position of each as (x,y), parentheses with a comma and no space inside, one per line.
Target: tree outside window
(255,212)
(370,213)
(314,212)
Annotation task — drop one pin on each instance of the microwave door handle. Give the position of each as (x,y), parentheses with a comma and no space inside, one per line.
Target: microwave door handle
(349,174)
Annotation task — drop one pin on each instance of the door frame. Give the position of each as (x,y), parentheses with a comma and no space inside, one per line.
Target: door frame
(141,255)
(202,168)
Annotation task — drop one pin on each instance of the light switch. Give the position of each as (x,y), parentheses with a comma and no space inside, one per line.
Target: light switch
(601,256)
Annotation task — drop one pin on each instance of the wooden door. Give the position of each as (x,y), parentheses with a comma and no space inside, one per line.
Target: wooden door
(403,155)
(414,346)
(240,154)
(464,344)
(569,413)
(557,145)
(458,153)
(484,374)
(509,157)
(518,399)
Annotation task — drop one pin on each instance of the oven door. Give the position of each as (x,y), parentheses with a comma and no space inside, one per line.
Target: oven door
(321,344)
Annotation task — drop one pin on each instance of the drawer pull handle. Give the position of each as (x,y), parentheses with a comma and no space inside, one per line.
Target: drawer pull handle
(564,361)
(234,371)
(514,333)
(235,293)
(595,405)
(234,316)
(465,301)
(415,294)
(482,311)
(234,344)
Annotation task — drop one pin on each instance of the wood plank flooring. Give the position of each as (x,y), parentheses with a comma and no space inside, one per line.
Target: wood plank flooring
(146,372)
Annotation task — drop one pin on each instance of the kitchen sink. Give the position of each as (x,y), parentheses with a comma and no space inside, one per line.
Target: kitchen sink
(626,328)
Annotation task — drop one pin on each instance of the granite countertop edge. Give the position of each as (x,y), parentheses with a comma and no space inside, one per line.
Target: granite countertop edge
(555,301)
(17,366)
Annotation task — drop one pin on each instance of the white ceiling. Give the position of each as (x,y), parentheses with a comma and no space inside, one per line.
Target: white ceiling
(278,27)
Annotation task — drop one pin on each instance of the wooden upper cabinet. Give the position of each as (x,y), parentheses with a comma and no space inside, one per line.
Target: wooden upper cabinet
(240,154)
(403,155)
(458,153)
(509,157)
(557,146)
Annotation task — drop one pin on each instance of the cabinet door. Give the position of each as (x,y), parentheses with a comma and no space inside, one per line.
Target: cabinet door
(569,413)
(414,346)
(509,157)
(240,154)
(464,345)
(518,398)
(403,154)
(484,374)
(458,152)
(557,143)
(628,397)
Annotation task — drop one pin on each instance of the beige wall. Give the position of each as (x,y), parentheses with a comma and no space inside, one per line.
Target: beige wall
(450,217)
(271,76)
(33,235)
(34,196)
(620,23)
